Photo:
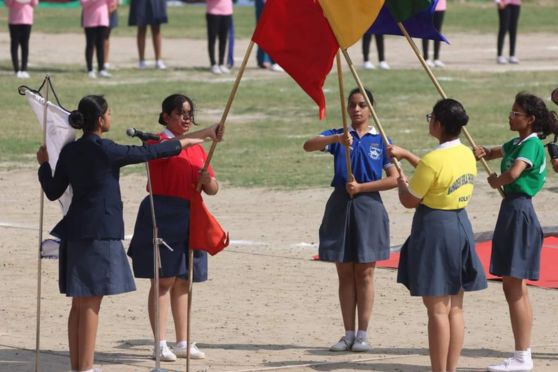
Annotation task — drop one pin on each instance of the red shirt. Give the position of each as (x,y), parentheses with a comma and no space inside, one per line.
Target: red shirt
(178,175)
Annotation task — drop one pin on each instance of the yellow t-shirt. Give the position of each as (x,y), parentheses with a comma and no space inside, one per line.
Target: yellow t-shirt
(444,177)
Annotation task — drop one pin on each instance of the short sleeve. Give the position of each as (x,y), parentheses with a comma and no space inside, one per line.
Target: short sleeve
(528,152)
(331,148)
(422,180)
(387,160)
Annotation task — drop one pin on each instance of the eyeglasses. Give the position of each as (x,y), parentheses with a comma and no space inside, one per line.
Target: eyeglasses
(185,114)
(428,117)
(513,114)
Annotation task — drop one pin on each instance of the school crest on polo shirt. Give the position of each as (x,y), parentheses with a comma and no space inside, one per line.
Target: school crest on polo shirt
(375,151)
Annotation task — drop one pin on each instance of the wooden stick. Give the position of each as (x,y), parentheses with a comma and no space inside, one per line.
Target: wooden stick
(443,94)
(350,177)
(39,262)
(188,318)
(374,115)
(228,105)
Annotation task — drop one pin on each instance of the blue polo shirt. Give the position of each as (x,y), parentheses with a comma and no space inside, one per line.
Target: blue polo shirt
(368,157)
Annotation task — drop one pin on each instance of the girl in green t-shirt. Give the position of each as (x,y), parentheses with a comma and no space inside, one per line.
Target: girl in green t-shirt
(517,240)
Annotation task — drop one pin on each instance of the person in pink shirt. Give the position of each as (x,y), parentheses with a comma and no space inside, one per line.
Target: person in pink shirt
(219,18)
(20,20)
(437,20)
(96,25)
(508,16)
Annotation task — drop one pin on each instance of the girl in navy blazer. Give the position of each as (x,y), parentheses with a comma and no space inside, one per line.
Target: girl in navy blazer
(92,258)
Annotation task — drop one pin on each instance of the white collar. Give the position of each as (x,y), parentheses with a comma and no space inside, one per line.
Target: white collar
(371,130)
(449,144)
(168,133)
(518,142)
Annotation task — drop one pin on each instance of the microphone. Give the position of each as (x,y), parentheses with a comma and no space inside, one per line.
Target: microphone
(144,136)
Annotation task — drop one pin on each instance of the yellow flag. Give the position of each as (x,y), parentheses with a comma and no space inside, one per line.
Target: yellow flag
(350,19)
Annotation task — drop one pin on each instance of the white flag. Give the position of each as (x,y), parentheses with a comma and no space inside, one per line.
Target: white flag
(58,133)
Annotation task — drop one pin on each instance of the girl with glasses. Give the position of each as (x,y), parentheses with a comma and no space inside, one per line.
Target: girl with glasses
(438,261)
(518,237)
(173,181)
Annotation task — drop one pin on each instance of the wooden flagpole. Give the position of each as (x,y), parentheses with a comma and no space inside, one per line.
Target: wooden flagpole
(350,176)
(443,94)
(188,317)
(374,115)
(39,262)
(228,105)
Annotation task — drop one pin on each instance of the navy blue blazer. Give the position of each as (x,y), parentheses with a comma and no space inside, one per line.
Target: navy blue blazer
(91,165)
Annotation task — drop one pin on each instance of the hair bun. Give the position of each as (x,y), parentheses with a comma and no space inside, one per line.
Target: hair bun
(462,118)
(76,119)
(161,119)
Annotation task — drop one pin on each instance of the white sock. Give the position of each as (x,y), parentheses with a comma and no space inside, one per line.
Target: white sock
(350,335)
(522,355)
(363,335)
(163,343)
(181,344)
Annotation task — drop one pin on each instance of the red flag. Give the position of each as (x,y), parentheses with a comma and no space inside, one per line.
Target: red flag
(297,36)
(205,232)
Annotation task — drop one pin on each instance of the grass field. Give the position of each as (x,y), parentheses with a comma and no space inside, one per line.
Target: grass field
(267,127)
(271,116)
(189,21)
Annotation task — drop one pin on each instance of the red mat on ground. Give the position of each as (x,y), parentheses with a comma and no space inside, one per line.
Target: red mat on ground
(549,262)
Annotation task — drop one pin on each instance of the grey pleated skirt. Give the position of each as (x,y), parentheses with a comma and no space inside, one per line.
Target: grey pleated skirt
(94,268)
(517,240)
(439,257)
(354,230)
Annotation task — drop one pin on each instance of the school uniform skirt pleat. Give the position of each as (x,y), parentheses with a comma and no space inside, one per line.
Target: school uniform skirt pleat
(147,13)
(354,230)
(94,268)
(173,221)
(439,257)
(517,239)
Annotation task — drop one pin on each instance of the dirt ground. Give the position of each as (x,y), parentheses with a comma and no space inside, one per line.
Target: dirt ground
(267,305)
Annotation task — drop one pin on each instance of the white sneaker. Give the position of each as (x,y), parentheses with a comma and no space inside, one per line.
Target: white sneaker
(275,67)
(342,345)
(92,75)
(215,70)
(384,65)
(24,75)
(195,353)
(438,63)
(513,60)
(360,345)
(512,364)
(501,60)
(224,69)
(166,355)
(104,73)
(160,65)
(430,63)
(368,65)
(142,65)
(107,66)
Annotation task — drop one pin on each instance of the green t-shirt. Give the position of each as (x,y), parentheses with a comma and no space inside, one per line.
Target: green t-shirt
(531,151)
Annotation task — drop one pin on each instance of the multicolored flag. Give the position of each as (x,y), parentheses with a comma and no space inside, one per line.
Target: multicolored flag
(296,35)
(418,25)
(349,20)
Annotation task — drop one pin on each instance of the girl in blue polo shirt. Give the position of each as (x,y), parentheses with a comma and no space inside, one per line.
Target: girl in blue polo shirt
(518,236)
(355,228)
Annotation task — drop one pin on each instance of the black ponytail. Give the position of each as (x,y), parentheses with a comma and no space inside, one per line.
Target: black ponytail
(546,121)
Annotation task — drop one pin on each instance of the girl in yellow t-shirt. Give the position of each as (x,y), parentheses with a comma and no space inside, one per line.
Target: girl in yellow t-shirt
(438,260)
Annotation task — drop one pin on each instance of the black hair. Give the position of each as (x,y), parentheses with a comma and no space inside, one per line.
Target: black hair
(451,114)
(546,121)
(357,90)
(90,109)
(175,102)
